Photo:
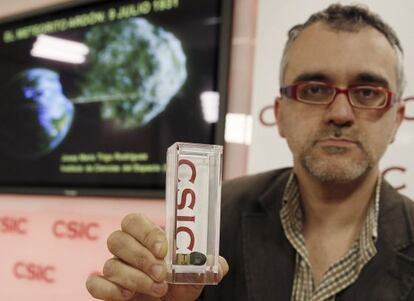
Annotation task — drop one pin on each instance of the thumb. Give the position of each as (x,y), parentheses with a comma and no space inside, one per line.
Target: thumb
(192,292)
(224,268)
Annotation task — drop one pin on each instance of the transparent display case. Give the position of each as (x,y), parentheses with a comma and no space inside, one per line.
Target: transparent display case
(193,197)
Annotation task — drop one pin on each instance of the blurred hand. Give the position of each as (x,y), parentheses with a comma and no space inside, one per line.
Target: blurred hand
(137,272)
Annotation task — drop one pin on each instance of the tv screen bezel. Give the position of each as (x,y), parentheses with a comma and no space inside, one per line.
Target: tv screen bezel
(222,84)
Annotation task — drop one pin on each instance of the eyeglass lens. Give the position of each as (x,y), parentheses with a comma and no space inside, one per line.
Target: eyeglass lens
(361,96)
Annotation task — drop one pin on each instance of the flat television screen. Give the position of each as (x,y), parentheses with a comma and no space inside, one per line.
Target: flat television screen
(92,95)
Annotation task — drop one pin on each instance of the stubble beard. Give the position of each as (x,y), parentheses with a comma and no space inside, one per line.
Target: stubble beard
(333,164)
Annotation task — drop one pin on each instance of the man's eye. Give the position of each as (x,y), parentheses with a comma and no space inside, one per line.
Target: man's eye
(315,89)
(367,93)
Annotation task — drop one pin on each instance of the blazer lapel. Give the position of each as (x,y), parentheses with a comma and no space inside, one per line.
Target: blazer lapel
(389,276)
(269,258)
(395,234)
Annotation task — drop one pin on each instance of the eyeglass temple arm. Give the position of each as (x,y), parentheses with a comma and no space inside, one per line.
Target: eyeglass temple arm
(288,91)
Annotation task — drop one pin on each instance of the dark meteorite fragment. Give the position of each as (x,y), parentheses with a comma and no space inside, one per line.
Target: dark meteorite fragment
(194,258)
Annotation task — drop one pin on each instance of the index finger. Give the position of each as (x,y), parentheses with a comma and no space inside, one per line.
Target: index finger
(147,233)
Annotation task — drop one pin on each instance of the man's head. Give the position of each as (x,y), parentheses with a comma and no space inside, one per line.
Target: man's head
(351,19)
(342,47)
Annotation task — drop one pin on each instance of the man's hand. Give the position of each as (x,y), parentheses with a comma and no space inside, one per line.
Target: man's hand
(137,271)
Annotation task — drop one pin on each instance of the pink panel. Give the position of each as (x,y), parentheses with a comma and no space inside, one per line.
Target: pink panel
(49,245)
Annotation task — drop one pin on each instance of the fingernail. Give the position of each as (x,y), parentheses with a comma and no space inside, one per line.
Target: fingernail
(127,293)
(157,248)
(156,271)
(159,288)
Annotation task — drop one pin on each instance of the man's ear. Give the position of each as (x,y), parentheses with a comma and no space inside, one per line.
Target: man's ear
(277,111)
(399,118)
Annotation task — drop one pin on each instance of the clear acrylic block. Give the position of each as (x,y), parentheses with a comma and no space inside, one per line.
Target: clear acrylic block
(193,197)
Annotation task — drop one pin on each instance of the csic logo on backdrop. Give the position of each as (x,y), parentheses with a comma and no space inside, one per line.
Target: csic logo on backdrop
(72,229)
(13,225)
(406,100)
(34,272)
(267,119)
(395,169)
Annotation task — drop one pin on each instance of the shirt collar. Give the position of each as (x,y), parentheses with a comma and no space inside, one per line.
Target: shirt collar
(294,212)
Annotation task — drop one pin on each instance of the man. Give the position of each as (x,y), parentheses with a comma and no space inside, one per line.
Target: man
(328,229)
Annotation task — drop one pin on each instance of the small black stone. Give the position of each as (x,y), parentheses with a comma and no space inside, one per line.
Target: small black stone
(197,258)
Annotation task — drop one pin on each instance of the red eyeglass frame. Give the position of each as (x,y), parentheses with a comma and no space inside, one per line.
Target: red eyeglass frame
(291,91)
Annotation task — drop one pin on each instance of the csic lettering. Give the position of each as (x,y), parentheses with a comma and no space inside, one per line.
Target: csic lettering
(266,116)
(75,230)
(34,272)
(183,217)
(190,233)
(15,225)
(406,100)
(395,169)
(187,191)
(192,167)
(263,116)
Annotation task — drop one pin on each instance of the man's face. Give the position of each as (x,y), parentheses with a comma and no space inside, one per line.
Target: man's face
(337,142)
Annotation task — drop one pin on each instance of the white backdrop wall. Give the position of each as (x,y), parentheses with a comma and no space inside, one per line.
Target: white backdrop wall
(274,19)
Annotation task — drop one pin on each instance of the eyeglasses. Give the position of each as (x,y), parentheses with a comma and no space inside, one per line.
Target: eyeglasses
(319,93)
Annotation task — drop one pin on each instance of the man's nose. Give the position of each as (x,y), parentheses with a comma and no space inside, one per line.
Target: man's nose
(340,112)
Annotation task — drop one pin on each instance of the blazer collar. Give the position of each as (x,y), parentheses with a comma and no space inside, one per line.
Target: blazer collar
(269,258)
(395,215)
(263,238)
(396,219)
(390,273)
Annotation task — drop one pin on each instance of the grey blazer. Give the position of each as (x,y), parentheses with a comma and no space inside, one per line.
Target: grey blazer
(262,261)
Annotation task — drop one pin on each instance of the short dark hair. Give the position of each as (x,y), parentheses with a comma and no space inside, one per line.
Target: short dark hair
(349,18)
